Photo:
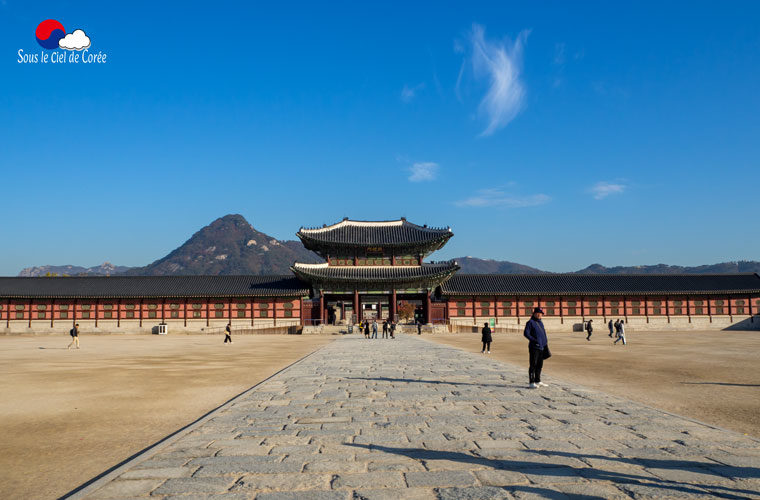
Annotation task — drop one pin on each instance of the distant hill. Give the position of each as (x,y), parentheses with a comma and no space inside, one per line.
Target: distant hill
(229,245)
(105,269)
(473,265)
(745,266)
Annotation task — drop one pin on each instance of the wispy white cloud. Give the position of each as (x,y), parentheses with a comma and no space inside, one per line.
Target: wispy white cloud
(423,171)
(500,63)
(408,93)
(603,189)
(493,197)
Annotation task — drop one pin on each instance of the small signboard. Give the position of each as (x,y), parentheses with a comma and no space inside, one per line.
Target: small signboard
(492,322)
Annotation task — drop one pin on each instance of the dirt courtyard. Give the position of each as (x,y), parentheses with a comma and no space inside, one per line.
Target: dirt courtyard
(713,377)
(67,416)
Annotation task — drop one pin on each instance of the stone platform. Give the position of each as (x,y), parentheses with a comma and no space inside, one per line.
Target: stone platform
(409,419)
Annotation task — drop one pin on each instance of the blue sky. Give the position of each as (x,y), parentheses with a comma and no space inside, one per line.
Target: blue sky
(554,134)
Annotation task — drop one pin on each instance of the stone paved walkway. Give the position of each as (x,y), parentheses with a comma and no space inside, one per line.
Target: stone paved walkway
(409,419)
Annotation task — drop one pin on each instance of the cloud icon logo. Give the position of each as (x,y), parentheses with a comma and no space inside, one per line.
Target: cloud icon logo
(78,40)
(49,32)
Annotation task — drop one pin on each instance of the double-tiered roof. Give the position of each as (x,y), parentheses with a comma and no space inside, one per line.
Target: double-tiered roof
(394,236)
(346,278)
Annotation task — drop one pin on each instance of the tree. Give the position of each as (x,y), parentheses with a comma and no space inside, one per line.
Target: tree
(406,311)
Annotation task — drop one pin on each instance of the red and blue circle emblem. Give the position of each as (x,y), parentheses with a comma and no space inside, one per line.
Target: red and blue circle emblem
(49,32)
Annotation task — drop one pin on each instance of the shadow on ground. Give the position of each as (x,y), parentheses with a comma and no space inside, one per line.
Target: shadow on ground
(627,481)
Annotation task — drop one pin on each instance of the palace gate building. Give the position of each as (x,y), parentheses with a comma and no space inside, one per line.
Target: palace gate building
(376,270)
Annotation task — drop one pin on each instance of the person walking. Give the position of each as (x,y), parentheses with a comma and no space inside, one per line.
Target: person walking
(228,333)
(393,329)
(366,329)
(589,329)
(74,332)
(385,328)
(486,338)
(617,328)
(620,333)
(419,328)
(374,329)
(538,347)
(609,325)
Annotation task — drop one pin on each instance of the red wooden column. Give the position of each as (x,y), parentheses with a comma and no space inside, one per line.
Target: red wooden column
(321,307)
(97,311)
(118,313)
(474,312)
(517,309)
(688,308)
(667,308)
(646,307)
(495,311)
(427,307)
(52,311)
(356,306)
(30,311)
(184,313)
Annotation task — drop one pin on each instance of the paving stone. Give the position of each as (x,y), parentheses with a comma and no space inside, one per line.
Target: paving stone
(284,482)
(493,477)
(379,479)
(299,495)
(194,485)
(474,493)
(395,494)
(126,488)
(440,478)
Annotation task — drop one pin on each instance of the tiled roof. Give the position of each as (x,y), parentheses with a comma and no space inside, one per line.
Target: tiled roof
(378,274)
(366,233)
(152,286)
(599,284)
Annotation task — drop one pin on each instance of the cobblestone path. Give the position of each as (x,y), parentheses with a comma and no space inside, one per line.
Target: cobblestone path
(409,419)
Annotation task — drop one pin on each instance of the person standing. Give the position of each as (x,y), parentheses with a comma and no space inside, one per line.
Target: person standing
(74,332)
(589,329)
(393,329)
(609,325)
(486,338)
(366,329)
(385,328)
(228,333)
(617,328)
(621,332)
(374,329)
(419,328)
(538,347)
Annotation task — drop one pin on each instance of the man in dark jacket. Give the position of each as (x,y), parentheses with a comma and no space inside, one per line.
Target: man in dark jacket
(486,338)
(609,325)
(589,329)
(537,342)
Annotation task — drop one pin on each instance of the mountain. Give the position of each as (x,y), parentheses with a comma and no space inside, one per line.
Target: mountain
(742,266)
(105,269)
(229,245)
(473,265)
